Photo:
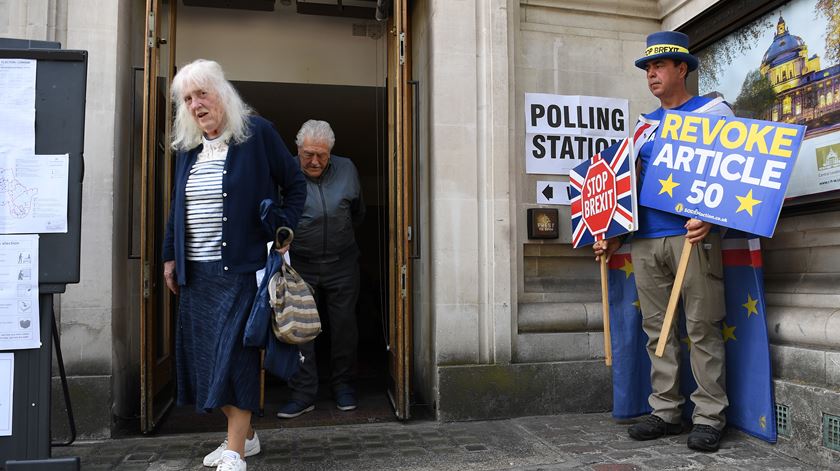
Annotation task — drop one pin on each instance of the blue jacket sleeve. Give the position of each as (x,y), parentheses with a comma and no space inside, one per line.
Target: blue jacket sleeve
(286,173)
(169,232)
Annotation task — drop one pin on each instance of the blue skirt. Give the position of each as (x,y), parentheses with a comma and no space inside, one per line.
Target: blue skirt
(213,369)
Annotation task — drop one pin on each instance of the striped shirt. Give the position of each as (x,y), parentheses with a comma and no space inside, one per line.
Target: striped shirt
(203,200)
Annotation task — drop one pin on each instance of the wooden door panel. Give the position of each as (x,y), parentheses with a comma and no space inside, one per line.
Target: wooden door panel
(399,202)
(156,305)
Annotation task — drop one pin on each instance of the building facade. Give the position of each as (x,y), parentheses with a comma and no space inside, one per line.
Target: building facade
(500,325)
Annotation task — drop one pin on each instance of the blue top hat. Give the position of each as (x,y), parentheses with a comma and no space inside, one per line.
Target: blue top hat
(668,45)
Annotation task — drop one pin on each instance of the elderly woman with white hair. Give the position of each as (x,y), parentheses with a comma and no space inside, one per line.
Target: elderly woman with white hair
(228,162)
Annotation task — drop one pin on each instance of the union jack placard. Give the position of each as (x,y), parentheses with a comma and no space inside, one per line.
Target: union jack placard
(602,192)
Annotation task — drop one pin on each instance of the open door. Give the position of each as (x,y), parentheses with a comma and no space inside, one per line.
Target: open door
(400,210)
(157,381)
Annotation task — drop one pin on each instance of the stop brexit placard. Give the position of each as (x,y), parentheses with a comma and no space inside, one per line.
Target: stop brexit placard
(602,192)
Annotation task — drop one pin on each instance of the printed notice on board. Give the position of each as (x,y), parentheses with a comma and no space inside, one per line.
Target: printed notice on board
(7,387)
(33,193)
(20,326)
(17,106)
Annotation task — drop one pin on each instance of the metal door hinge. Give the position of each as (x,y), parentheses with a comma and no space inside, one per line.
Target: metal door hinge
(408,233)
(150,39)
(146,280)
(402,48)
(403,279)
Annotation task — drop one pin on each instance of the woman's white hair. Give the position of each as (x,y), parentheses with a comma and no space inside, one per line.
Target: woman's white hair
(208,76)
(316,131)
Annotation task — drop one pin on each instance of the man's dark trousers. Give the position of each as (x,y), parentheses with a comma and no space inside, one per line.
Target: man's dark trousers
(336,289)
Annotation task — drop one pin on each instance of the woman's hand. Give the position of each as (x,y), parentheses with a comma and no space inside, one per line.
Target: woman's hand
(169,276)
(605,248)
(697,230)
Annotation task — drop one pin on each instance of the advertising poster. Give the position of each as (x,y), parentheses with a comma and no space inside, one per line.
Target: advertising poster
(785,67)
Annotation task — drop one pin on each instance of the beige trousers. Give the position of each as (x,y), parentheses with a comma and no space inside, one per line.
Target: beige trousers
(655,264)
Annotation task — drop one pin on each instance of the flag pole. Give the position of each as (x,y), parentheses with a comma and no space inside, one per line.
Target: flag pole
(605,303)
(675,296)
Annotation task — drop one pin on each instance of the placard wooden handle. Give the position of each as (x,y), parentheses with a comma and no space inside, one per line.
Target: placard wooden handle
(675,296)
(605,302)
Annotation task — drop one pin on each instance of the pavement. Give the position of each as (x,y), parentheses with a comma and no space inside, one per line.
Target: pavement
(558,442)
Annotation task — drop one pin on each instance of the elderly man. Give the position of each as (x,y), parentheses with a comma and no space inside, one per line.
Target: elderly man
(325,253)
(656,249)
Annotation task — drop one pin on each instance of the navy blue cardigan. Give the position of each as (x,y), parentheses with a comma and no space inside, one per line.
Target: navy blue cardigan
(253,171)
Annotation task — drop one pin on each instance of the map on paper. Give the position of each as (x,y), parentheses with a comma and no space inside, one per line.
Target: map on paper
(33,193)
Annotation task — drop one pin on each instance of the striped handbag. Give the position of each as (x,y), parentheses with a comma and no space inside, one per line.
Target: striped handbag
(295,319)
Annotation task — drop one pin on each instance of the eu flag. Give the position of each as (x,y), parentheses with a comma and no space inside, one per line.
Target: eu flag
(748,377)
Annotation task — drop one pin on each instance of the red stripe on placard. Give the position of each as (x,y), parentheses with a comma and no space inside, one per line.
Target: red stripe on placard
(622,185)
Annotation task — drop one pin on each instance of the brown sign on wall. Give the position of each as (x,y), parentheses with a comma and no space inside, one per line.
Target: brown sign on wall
(543,223)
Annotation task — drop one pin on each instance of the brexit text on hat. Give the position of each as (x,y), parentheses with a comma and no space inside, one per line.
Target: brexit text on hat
(664,49)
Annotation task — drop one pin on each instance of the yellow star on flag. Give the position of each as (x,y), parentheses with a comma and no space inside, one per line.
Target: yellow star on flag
(747,203)
(762,422)
(686,341)
(627,268)
(669,185)
(751,306)
(637,304)
(728,333)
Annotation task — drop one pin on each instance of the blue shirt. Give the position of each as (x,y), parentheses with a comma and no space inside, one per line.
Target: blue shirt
(654,223)
(253,171)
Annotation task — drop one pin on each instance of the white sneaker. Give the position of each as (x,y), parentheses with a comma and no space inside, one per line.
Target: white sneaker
(252,447)
(232,464)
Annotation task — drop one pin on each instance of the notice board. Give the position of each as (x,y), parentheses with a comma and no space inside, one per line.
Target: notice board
(60,91)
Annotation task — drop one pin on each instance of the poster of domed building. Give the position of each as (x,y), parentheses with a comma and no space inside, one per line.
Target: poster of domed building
(785,67)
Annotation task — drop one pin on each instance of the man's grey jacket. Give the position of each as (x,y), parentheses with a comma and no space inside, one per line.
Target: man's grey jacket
(334,207)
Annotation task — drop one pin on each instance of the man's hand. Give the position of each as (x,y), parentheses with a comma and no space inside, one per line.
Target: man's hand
(605,248)
(169,276)
(697,230)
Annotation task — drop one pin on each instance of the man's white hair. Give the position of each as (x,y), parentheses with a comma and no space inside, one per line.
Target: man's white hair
(316,131)
(208,76)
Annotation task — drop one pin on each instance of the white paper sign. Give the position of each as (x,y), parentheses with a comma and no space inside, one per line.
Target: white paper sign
(17,105)
(7,388)
(561,130)
(20,326)
(33,193)
(553,193)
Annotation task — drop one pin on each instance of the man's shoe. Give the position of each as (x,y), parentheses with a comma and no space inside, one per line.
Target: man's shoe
(704,438)
(345,401)
(252,447)
(652,427)
(293,409)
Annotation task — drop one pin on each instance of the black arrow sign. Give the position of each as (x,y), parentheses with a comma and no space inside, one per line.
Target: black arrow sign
(548,192)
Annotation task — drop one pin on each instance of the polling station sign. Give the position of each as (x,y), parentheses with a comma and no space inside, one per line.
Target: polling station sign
(729,171)
(561,131)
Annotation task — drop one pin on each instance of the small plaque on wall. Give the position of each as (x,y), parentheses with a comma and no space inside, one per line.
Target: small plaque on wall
(543,223)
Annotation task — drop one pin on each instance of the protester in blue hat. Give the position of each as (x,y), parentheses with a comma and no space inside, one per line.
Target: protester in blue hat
(656,249)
